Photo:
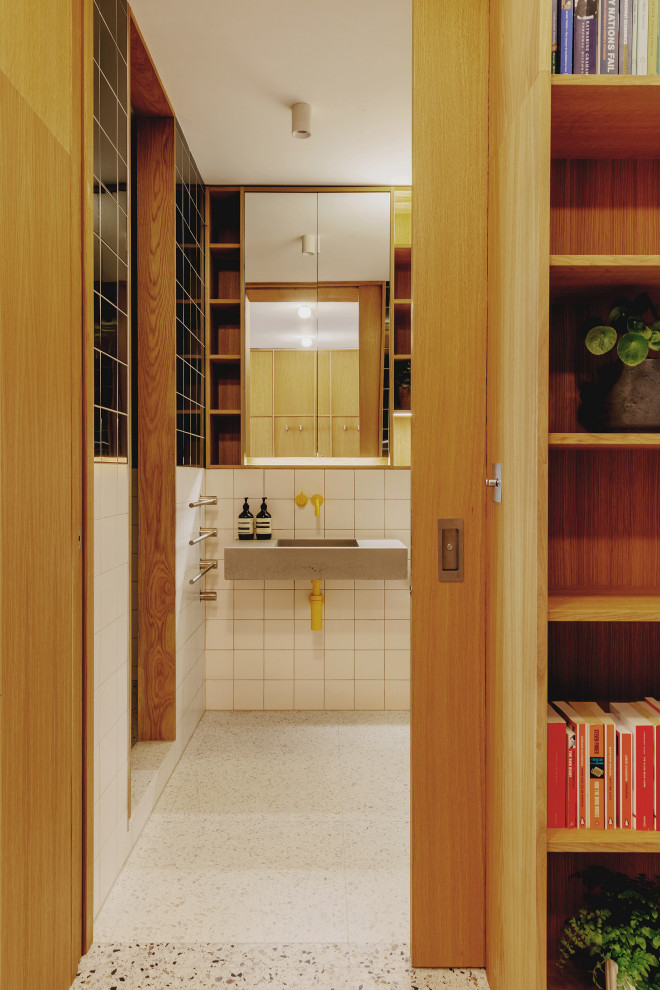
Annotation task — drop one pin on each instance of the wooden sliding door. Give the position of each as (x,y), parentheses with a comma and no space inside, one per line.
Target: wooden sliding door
(43,467)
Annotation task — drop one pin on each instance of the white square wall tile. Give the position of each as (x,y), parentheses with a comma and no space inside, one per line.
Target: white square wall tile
(369,604)
(222,607)
(248,634)
(279,484)
(397,483)
(248,604)
(369,483)
(339,514)
(219,482)
(278,665)
(248,664)
(282,513)
(279,634)
(339,695)
(309,665)
(279,604)
(339,604)
(339,664)
(339,483)
(308,695)
(397,514)
(339,634)
(248,695)
(397,695)
(397,665)
(369,695)
(370,514)
(370,664)
(369,634)
(219,664)
(249,482)
(397,634)
(278,695)
(311,482)
(397,604)
(219,634)
(302,605)
(305,639)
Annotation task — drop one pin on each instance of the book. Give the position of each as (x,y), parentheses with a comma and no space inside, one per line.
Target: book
(643,748)
(579,726)
(610,760)
(595,766)
(585,37)
(554,48)
(642,37)
(571,778)
(609,37)
(633,36)
(625,37)
(653,703)
(557,763)
(652,67)
(566,37)
(649,712)
(624,817)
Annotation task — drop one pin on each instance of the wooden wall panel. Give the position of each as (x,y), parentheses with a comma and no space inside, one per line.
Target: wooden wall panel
(41,492)
(148,96)
(371,369)
(450,103)
(156,315)
(610,661)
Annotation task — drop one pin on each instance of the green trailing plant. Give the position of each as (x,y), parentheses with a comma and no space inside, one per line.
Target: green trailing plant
(620,920)
(628,331)
(402,374)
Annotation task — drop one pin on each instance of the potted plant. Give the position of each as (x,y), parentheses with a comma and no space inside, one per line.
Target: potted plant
(615,935)
(402,383)
(626,395)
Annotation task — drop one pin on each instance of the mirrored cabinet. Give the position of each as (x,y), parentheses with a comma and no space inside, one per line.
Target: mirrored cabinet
(304,331)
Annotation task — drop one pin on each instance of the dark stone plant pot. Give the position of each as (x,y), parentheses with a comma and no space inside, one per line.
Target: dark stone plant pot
(623,400)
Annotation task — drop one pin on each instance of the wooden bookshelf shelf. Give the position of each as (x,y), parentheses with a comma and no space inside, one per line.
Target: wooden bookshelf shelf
(225,412)
(402,302)
(604,605)
(613,840)
(224,357)
(571,274)
(224,247)
(224,302)
(605,117)
(613,441)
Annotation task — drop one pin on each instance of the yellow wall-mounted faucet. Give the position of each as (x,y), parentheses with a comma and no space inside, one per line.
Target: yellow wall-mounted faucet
(317,502)
(301,500)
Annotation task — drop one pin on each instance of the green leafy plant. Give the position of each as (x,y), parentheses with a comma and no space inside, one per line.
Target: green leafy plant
(628,330)
(620,920)
(402,374)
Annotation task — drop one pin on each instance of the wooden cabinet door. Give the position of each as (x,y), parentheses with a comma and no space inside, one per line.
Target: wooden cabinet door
(261,436)
(345,436)
(295,383)
(295,436)
(345,383)
(261,384)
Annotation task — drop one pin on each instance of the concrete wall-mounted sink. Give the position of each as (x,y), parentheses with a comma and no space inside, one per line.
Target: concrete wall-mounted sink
(354,560)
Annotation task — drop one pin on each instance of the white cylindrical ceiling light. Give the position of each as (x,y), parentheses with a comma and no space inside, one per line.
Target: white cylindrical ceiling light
(309,243)
(301,120)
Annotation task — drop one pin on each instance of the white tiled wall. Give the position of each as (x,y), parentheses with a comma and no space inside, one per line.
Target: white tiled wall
(260,651)
(115,833)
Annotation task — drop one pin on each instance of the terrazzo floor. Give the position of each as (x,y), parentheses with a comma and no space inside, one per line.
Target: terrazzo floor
(278,856)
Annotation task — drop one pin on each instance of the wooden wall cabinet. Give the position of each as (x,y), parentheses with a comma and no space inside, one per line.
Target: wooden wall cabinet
(401,324)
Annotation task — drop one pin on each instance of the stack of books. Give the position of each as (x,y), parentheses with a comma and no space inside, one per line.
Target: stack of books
(602,765)
(605,37)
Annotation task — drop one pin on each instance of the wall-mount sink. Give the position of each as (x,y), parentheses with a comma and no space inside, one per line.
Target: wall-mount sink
(354,560)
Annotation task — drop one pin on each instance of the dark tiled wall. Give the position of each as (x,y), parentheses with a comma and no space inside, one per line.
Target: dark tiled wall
(190,307)
(111,322)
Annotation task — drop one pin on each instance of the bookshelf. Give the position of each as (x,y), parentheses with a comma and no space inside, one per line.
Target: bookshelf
(400,322)
(225,308)
(574,572)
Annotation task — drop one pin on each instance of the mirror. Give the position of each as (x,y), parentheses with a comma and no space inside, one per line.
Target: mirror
(317,287)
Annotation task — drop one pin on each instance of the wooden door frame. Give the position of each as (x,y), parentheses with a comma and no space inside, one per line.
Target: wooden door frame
(450,185)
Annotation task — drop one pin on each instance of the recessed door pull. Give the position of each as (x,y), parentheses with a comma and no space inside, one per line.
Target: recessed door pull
(450,549)
(496,482)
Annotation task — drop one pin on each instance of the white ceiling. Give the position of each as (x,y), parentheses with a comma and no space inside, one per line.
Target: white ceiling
(233,68)
(332,326)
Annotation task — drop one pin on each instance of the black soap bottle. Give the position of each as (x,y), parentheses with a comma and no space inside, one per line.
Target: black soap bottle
(263,523)
(246,523)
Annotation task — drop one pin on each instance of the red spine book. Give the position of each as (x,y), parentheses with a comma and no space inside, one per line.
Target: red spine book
(653,715)
(624,777)
(643,746)
(610,760)
(579,726)
(571,778)
(557,757)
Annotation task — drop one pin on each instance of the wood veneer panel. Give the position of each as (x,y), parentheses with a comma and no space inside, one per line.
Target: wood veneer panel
(610,661)
(572,274)
(603,605)
(605,207)
(148,96)
(447,480)
(40,492)
(612,840)
(580,441)
(611,117)
(370,387)
(156,309)
(598,536)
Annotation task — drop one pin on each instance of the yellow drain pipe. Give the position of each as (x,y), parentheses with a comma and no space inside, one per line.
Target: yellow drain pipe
(316,601)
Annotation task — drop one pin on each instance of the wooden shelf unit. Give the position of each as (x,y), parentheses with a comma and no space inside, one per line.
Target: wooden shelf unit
(573,598)
(225,321)
(400,320)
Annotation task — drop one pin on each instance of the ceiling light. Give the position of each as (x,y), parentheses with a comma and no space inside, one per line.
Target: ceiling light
(304,312)
(306,341)
(301,120)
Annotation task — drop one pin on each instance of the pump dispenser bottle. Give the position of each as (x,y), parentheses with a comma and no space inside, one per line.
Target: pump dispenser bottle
(246,523)
(263,523)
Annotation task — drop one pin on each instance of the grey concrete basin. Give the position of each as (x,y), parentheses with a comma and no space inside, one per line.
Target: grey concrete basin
(355,560)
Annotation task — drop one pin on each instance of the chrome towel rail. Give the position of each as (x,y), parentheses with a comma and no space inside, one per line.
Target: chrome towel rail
(206,565)
(204,500)
(204,534)
(208,596)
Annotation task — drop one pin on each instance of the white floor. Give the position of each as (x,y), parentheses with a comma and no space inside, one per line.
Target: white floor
(277,856)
